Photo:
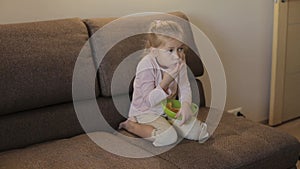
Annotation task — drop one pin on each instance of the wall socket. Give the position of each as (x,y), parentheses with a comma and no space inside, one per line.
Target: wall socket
(235,111)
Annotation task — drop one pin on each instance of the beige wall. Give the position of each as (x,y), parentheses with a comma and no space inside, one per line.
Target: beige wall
(241,31)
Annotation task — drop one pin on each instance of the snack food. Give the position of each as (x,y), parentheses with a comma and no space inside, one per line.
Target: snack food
(173,109)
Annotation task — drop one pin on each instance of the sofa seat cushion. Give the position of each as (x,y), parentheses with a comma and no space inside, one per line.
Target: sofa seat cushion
(78,152)
(237,143)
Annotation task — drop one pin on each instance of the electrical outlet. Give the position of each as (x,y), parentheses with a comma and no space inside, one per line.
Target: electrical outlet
(235,111)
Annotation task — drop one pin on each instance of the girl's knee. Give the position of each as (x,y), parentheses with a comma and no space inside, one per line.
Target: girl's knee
(165,138)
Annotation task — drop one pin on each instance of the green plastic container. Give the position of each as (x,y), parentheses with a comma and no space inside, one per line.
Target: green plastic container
(176,104)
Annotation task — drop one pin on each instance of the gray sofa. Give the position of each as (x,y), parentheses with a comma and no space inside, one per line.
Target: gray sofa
(40,129)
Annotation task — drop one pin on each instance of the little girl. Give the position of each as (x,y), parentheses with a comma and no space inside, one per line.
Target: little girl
(161,75)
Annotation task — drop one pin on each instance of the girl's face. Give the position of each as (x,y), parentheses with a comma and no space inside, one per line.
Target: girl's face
(170,53)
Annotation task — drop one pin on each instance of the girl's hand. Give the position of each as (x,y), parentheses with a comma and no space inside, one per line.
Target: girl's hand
(185,112)
(174,70)
(170,74)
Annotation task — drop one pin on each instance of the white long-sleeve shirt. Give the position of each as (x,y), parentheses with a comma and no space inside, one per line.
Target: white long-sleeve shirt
(147,93)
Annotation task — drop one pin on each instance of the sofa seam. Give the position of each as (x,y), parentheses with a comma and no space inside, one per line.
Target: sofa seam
(93,53)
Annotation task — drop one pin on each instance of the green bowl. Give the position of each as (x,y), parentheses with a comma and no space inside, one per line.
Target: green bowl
(176,104)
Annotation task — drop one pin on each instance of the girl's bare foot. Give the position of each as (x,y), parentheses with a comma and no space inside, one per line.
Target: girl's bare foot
(142,130)
(127,124)
(123,124)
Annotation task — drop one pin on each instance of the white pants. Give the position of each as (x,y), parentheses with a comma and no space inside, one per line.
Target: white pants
(165,132)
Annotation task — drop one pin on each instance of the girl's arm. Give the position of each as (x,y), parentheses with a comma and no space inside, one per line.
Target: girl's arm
(147,94)
(170,75)
(185,96)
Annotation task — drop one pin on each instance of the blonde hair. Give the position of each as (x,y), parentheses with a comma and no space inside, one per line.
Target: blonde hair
(161,30)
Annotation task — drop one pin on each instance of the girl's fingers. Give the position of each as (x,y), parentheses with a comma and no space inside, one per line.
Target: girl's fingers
(182,120)
(178,114)
(173,72)
(178,68)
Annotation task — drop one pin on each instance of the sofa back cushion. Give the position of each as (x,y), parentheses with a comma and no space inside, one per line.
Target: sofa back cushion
(37,61)
(125,47)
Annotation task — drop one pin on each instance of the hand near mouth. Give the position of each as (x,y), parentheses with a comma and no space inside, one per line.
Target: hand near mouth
(174,69)
(170,74)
